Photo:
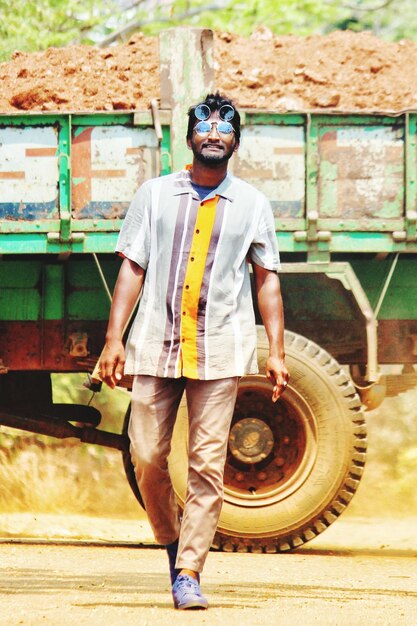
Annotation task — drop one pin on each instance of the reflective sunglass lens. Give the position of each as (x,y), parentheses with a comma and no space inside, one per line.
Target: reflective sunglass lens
(202,112)
(226,112)
(202,128)
(225,128)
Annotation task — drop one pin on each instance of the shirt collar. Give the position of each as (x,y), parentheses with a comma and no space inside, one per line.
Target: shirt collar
(182,185)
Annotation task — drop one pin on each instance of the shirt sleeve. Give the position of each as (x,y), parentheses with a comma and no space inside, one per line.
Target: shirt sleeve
(135,235)
(264,247)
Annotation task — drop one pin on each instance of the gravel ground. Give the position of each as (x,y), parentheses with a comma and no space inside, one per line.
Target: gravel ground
(66,570)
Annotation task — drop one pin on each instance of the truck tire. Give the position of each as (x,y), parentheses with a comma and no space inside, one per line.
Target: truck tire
(292,467)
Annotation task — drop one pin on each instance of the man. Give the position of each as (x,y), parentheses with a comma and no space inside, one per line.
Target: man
(186,241)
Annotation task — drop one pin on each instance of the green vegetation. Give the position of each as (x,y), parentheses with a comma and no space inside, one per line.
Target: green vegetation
(30,26)
(46,475)
(38,25)
(41,475)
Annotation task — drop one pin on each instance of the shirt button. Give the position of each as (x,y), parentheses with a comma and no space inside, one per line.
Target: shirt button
(197,231)
(183,340)
(184,313)
(187,286)
(192,258)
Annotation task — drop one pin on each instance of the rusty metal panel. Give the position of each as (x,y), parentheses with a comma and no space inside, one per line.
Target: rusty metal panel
(28,173)
(108,165)
(273,159)
(361,172)
(47,345)
(20,344)
(397,341)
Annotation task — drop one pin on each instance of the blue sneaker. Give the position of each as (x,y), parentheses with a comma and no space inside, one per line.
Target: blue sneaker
(172,550)
(187,593)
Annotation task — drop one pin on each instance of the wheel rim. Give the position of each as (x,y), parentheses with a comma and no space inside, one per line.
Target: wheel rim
(272,447)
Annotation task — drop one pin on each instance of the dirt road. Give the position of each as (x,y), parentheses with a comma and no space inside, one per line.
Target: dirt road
(348,578)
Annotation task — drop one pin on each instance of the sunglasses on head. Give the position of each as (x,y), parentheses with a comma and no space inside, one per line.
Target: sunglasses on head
(203,112)
(204,128)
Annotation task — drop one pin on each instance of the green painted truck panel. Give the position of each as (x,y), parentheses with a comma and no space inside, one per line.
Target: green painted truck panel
(343,189)
(401,299)
(69,179)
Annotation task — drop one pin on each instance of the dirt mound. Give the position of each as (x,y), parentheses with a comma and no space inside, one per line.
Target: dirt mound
(82,78)
(344,70)
(340,71)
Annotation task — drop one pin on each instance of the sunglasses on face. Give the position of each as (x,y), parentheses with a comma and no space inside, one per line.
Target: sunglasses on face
(204,128)
(203,112)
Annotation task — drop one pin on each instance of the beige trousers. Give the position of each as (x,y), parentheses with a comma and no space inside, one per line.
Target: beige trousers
(155,402)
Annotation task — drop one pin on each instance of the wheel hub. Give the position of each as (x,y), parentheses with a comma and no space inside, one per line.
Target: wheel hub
(251,440)
(272,447)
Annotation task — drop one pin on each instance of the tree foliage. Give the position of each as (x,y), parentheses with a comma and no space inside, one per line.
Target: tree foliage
(29,26)
(38,25)
(392,19)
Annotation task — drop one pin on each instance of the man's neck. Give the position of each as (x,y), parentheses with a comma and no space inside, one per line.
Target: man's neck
(207,176)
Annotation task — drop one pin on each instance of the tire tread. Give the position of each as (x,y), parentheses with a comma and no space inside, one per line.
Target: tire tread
(350,484)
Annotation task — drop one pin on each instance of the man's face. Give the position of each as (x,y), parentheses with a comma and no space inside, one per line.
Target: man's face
(214,148)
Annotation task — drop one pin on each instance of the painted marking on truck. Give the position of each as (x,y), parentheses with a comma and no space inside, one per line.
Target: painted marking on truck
(35,152)
(108,173)
(288,150)
(12,175)
(81,163)
(108,165)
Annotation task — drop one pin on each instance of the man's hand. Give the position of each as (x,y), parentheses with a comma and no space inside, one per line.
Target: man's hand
(278,375)
(112,361)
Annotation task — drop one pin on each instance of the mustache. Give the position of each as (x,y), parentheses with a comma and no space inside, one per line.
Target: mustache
(206,144)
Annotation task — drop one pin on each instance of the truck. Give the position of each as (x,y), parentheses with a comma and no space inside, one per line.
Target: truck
(343,188)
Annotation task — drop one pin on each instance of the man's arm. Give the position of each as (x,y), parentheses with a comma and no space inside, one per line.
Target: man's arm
(126,293)
(268,293)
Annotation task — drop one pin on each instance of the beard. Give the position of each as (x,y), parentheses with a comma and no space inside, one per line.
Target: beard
(212,159)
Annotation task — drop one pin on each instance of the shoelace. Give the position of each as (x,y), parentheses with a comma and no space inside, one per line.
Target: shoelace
(182,583)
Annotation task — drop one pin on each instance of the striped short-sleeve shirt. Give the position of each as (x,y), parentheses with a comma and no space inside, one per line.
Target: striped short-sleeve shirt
(195,316)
